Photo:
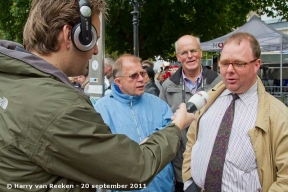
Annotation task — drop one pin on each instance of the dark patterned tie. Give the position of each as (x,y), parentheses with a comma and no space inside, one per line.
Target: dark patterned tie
(214,172)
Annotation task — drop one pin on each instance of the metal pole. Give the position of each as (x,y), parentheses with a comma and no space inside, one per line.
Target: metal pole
(281,69)
(135,22)
(96,67)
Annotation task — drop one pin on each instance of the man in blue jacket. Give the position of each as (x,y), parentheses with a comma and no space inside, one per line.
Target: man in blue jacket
(130,111)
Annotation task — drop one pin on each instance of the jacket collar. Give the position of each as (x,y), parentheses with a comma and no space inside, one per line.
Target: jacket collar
(262,120)
(176,77)
(16,51)
(124,98)
(149,83)
(109,75)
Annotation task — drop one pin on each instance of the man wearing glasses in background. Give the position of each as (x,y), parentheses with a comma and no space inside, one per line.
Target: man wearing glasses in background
(238,142)
(179,88)
(130,111)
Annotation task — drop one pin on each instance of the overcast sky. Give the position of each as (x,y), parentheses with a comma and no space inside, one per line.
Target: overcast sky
(265,18)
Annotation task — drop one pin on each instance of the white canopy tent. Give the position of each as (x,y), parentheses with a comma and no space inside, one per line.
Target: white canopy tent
(269,39)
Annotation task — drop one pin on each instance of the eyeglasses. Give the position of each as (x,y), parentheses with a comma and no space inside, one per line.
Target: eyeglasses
(192,51)
(238,65)
(136,75)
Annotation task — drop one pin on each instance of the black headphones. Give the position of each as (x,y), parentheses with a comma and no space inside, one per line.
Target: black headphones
(84,35)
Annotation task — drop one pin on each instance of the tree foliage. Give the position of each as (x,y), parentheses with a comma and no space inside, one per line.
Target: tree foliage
(13,17)
(272,8)
(161,22)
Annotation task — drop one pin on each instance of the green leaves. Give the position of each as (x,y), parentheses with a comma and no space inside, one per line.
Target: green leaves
(13,17)
(161,22)
(272,8)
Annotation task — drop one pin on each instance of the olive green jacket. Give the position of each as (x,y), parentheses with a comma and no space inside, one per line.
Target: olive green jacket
(51,135)
(269,138)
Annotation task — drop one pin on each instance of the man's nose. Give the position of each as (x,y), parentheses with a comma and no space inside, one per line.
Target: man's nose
(189,54)
(230,68)
(95,49)
(140,78)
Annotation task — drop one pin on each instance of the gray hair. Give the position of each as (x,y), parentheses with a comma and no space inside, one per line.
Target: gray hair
(176,43)
(117,69)
(109,61)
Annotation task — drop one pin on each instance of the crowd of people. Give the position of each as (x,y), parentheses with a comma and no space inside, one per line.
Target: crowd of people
(153,81)
(138,134)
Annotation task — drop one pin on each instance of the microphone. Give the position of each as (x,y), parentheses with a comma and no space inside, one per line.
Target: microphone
(197,101)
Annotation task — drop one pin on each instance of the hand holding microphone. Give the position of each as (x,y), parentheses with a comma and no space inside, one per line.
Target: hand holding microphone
(184,115)
(181,118)
(197,101)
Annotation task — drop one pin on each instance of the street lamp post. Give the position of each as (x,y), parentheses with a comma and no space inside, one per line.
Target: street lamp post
(135,22)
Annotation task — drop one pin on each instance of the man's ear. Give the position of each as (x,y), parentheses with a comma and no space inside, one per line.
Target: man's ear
(258,64)
(67,35)
(117,81)
(178,58)
(201,53)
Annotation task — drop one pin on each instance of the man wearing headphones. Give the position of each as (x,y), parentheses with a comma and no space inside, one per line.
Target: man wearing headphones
(51,138)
